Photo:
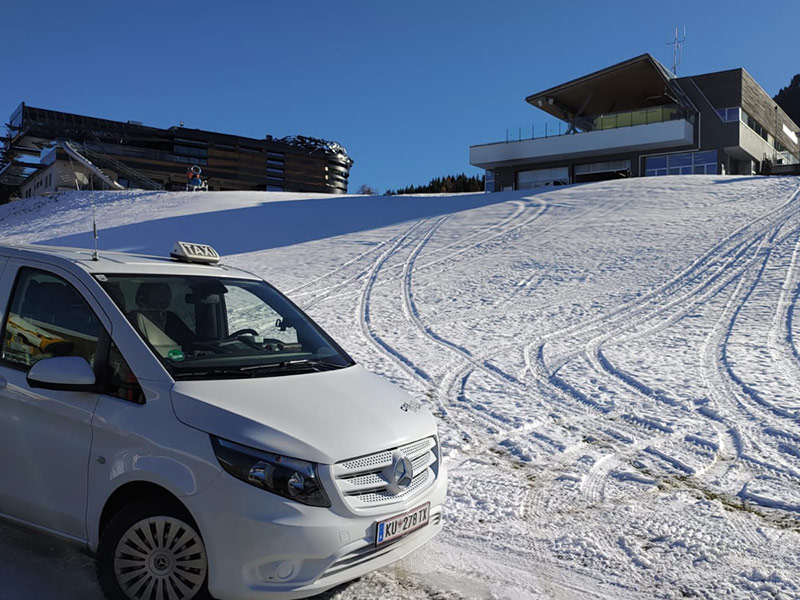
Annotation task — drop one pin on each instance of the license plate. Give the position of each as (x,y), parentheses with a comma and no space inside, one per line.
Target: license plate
(393,528)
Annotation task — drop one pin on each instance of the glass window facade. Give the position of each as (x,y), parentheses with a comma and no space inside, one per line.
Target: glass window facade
(709,156)
(15,122)
(680,160)
(646,116)
(758,128)
(542,177)
(191,154)
(489,185)
(684,163)
(729,115)
(603,167)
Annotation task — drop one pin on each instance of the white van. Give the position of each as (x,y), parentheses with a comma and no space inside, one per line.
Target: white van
(198,432)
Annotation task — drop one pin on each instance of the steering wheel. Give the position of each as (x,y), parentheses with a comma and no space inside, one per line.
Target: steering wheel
(239,332)
(273,344)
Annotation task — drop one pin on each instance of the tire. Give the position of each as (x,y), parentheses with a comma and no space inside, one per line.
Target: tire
(152,551)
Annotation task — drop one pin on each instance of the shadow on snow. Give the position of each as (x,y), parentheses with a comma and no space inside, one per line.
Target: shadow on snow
(275,224)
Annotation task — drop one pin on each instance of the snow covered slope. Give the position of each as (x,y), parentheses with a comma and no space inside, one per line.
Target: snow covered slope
(613,365)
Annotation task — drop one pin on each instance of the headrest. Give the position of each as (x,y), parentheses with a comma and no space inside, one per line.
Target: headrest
(153,296)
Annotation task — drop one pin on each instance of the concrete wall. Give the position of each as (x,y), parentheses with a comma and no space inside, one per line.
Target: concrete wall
(56,177)
(754,144)
(670,134)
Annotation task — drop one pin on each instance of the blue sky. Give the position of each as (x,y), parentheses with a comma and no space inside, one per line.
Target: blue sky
(406,86)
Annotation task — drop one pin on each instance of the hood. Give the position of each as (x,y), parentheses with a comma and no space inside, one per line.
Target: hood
(323,417)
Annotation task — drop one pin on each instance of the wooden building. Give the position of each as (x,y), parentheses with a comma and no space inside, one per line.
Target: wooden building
(41,147)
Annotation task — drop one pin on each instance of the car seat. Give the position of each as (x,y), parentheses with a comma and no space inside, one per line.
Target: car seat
(161,327)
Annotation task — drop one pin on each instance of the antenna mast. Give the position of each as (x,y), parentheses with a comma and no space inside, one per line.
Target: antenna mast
(677,50)
(95,254)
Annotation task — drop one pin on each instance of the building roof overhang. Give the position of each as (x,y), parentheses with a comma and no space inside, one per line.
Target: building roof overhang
(637,83)
(16,172)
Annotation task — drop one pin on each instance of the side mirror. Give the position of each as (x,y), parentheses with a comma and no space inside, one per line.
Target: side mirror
(65,373)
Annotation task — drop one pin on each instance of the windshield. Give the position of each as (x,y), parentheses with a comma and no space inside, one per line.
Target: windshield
(211,328)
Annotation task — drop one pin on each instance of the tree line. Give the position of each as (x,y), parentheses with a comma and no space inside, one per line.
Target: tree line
(449,184)
(788,99)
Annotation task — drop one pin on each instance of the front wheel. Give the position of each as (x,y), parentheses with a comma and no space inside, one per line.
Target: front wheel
(151,553)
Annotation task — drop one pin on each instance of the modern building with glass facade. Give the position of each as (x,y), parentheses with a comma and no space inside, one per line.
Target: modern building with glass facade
(46,151)
(637,119)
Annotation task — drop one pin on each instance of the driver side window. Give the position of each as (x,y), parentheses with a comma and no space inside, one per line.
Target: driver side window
(48,317)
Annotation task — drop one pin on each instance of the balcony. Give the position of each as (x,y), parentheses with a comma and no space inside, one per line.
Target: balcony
(637,131)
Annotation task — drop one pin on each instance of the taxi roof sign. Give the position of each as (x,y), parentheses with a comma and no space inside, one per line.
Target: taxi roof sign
(197,253)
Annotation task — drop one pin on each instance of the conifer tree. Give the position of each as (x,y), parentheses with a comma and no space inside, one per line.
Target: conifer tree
(449,184)
(788,99)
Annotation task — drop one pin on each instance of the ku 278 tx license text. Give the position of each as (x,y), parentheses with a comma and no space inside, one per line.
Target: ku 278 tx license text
(393,528)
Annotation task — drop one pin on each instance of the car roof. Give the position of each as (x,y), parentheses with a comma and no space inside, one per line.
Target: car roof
(110,262)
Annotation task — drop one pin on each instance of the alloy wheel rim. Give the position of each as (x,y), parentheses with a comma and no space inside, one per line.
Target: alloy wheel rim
(160,558)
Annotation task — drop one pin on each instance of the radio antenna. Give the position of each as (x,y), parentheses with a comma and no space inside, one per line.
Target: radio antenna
(95,255)
(677,50)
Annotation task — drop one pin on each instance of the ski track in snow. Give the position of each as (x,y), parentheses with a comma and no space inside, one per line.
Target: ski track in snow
(614,371)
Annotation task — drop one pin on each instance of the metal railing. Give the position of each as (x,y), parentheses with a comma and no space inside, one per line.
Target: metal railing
(787,158)
(518,134)
(631,118)
(75,151)
(110,162)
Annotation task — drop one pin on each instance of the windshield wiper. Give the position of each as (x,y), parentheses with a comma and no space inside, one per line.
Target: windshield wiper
(217,372)
(303,363)
(261,370)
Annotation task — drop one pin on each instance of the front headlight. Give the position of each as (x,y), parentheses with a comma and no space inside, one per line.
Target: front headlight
(288,477)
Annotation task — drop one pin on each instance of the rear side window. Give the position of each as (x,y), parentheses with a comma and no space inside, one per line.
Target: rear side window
(48,317)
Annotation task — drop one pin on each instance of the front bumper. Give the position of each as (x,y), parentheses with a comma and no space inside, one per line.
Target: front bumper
(261,546)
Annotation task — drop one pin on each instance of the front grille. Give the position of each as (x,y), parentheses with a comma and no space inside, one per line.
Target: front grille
(364,482)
